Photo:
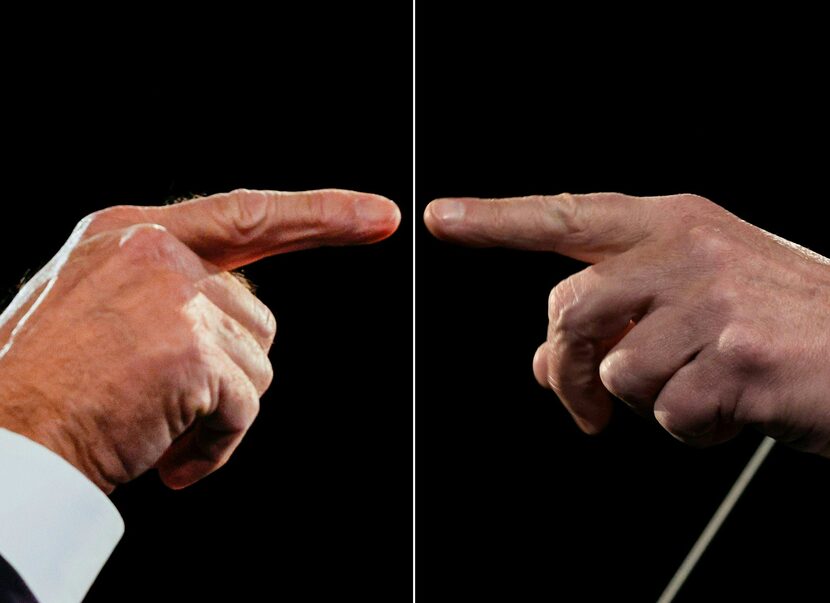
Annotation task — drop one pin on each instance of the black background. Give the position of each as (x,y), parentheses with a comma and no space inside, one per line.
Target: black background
(514,504)
(316,503)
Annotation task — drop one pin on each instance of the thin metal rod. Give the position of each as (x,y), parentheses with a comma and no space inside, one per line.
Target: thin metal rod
(717,520)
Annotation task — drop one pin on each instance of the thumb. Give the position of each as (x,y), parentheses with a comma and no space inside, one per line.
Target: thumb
(240,227)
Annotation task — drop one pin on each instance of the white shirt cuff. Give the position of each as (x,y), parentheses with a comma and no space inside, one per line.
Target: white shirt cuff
(57,528)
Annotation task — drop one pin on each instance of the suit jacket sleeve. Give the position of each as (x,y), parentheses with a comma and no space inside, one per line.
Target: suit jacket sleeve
(57,529)
(12,587)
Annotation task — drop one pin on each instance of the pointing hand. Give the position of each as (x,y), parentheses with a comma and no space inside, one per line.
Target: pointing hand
(135,347)
(687,312)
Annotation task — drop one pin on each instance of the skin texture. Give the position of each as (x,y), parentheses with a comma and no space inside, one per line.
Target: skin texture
(687,313)
(135,347)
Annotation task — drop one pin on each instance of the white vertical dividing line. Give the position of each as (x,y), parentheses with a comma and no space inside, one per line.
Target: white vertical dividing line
(414,220)
(717,520)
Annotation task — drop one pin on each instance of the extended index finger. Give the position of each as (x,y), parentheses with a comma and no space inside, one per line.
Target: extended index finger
(240,227)
(585,227)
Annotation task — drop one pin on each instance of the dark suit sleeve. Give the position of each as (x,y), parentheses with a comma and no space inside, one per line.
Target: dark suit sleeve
(12,587)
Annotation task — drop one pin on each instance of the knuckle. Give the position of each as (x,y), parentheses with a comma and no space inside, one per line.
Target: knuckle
(248,212)
(722,296)
(269,324)
(194,326)
(268,376)
(571,213)
(97,221)
(744,349)
(689,207)
(560,298)
(105,219)
(259,318)
(147,242)
(564,307)
(262,371)
(568,319)
(229,325)
(692,201)
(251,405)
(709,244)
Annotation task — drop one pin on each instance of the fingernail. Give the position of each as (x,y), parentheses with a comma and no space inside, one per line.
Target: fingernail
(448,210)
(378,211)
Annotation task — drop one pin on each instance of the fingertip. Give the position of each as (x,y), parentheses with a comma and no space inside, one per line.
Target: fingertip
(378,217)
(442,215)
(429,219)
(396,216)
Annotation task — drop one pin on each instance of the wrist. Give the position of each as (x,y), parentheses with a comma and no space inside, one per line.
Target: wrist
(34,420)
